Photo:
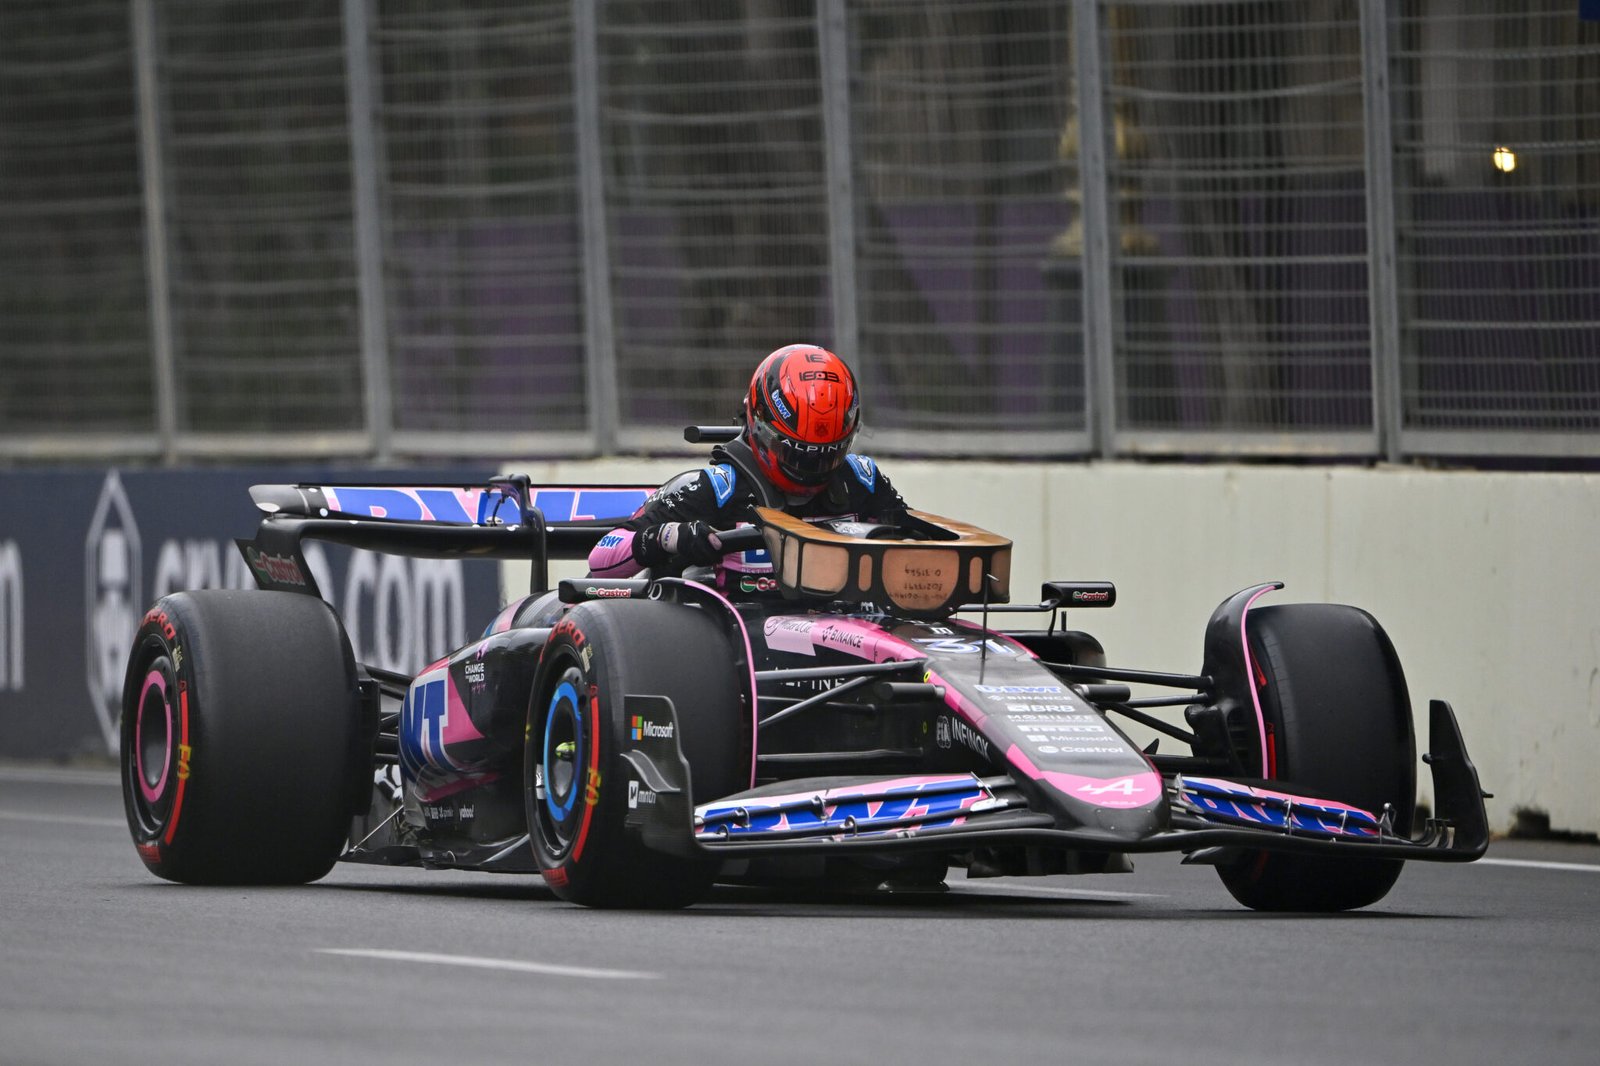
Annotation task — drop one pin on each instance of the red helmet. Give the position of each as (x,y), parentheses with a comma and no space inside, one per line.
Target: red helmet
(800,416)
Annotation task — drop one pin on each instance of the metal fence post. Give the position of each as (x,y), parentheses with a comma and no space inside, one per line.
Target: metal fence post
(1383,301)
(600,351)
(1097,270)
(833,61)
(153,181)
(365,172)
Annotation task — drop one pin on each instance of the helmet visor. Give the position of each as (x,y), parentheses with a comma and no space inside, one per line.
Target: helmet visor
(801,461)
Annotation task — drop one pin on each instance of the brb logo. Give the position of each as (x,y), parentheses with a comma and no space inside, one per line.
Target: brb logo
(113,562)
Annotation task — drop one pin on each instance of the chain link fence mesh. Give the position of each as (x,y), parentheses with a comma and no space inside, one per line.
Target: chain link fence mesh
(729,205)
(1238,178)
(1497,145)
(482,247)
(714,198)
(74,327)
(959,109)
(255,144)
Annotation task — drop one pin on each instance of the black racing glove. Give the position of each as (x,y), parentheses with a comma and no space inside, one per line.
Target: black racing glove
(690,542)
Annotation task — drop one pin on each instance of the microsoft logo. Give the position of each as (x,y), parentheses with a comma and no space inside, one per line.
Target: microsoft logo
(641,728)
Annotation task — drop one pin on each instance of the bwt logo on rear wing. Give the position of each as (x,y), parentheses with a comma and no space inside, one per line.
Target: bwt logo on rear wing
(499,503)
(496,520)
(480,506)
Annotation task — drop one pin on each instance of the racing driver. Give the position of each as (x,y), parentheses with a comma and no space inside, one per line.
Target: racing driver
(800,417)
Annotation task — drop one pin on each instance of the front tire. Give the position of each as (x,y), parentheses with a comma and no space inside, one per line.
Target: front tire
(241,734)
(1339,727)
(575,774)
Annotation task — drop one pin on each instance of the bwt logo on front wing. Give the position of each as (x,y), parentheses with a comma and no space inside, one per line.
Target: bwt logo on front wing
(640,728)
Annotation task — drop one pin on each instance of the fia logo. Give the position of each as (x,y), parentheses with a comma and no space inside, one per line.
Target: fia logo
(113,564)
(941,732)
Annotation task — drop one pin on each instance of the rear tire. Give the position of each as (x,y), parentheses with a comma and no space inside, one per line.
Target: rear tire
(1339,727)
(575,775)
(241,732)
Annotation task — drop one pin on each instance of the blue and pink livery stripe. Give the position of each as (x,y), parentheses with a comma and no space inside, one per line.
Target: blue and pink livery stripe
(901,805)
(479,505)
(1228,801)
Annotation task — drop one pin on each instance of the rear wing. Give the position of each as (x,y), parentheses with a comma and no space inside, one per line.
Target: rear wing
(508,518)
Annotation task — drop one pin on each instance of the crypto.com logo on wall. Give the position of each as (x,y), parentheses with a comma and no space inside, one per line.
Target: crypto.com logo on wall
(400,613)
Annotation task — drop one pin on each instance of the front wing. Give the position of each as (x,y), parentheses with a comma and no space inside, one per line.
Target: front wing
(1210,819)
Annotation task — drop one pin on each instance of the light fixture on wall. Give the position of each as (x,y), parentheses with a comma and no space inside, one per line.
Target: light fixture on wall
(1505,160)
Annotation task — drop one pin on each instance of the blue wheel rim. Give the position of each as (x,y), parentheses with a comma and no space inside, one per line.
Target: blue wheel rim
(564,693)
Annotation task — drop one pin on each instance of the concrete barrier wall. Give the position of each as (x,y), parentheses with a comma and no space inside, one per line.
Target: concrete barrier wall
(1488,583)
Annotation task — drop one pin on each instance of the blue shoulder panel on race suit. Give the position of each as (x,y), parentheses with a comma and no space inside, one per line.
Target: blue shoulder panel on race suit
(865,470)
(723,477)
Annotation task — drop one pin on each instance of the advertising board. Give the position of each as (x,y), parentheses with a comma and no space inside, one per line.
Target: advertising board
(83,553)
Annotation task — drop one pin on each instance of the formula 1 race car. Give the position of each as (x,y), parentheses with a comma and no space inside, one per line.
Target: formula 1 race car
(841,708)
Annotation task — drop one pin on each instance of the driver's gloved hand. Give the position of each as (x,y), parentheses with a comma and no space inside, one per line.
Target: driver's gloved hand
(692,542)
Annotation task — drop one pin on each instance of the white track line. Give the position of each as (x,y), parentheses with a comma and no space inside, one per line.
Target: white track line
(59,775)
(480,963)
(110,778)
(1534,864)
(63,819)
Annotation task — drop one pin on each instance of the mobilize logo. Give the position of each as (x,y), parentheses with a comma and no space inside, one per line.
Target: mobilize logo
(638,795)
(640,728)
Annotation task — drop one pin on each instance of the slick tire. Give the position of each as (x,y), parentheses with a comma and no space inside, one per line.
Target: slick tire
(1339,727)
(241,736)
(575,774)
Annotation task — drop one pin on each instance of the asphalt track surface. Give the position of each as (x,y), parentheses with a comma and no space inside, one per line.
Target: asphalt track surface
(1498,962)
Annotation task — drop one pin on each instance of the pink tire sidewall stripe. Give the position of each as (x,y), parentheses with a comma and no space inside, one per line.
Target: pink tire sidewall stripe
(1250,676)
(151,793)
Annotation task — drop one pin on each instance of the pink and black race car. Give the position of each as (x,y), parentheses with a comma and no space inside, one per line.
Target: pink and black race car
(844,705)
